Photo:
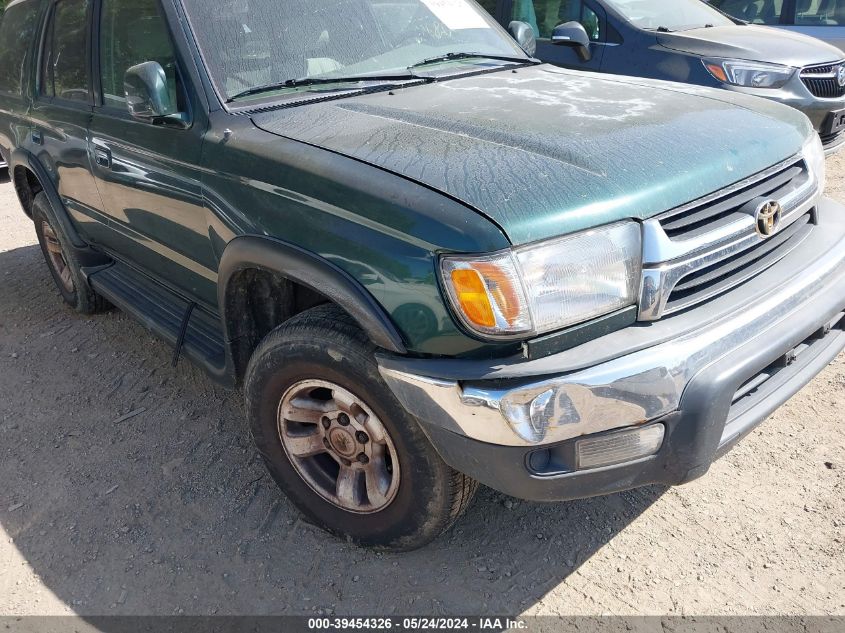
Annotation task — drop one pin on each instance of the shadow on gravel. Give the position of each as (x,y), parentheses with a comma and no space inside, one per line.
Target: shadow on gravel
(132,488)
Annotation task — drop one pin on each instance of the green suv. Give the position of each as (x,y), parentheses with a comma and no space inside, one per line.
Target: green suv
(428,259)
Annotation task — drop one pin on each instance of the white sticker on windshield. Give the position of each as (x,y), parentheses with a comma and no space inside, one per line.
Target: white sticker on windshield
(456,14)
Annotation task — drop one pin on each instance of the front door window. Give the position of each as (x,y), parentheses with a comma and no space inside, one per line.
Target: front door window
(545,15)
(133,32)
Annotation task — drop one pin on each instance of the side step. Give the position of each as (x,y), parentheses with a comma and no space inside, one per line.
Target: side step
(163,311)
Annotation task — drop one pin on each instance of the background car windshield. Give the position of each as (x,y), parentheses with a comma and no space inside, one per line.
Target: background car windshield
(249,43)
(676,15)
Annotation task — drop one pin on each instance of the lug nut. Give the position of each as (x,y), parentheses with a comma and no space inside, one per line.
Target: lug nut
(363,459)
(326,422)
(343,419)
(362,437)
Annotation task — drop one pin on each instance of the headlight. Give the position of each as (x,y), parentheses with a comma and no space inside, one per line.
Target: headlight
(813,154)
(547,286)
(749,74)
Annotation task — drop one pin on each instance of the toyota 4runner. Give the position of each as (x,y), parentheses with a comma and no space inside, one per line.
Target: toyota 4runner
(429,260)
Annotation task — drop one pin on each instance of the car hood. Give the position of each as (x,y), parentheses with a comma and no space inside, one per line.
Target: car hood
(755,43)
(544,151)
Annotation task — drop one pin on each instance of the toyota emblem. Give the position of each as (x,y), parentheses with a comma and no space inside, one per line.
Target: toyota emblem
(768,218)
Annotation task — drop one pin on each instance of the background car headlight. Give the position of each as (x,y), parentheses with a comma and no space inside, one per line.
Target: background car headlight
(738,72)
(813,153)
(547,286)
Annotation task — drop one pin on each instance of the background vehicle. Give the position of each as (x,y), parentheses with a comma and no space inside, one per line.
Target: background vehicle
(429,260)
(690,42)
(823,19)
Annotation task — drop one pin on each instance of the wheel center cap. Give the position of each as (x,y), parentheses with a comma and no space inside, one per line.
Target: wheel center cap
(343,443)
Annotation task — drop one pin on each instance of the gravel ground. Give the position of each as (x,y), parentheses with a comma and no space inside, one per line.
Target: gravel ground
(170,511)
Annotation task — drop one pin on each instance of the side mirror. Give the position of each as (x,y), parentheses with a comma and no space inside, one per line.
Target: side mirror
(575,35)
(524,36)
(147,96)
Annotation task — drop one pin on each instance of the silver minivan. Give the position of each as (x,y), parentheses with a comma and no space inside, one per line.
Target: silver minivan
(824,19)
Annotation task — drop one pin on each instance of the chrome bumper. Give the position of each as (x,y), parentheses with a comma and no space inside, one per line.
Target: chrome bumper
(514,408)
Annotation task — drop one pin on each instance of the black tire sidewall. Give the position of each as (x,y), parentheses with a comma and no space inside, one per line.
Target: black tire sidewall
(421,507)
(83,299)
(41,212)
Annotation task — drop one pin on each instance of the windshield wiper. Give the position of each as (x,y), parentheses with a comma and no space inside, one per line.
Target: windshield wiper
(453,56)
(319,81)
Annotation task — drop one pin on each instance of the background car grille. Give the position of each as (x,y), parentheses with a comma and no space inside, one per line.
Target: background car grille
(822,81)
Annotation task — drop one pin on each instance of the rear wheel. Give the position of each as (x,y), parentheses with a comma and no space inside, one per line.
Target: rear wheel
(62,262)
(338,443)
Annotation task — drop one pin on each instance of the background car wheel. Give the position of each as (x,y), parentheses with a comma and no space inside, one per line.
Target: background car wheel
(63,265)
(338,443)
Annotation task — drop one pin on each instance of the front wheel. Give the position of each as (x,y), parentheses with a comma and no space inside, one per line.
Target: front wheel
(62,262)
(338,443)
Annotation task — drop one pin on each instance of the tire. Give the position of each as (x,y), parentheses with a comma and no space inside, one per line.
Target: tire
(62,261)
(310,367)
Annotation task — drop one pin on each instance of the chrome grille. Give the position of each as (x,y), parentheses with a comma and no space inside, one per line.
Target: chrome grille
(695,219)
(729,273)
(822,81)
(704,249)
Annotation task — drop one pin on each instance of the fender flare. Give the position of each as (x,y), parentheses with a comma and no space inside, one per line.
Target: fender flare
(22,158)
(312,271)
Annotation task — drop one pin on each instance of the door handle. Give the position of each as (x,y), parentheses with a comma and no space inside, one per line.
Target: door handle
(37,137)
(102,156)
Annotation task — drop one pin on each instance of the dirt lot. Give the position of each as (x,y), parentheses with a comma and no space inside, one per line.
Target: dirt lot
(170,511)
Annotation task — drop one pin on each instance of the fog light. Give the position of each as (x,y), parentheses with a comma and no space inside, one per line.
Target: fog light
(617,448)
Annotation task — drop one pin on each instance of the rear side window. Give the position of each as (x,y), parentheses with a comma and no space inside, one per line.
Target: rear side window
(133,32)
(65,72)
(17,30)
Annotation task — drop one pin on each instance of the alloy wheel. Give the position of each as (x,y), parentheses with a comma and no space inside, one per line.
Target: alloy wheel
(57,258)
(338,446)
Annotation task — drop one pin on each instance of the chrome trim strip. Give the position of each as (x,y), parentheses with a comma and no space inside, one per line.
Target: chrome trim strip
(819,76)
(806,71)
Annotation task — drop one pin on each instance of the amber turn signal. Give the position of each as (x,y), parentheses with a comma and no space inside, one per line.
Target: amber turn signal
(471,294)
(487,293)
(717,71)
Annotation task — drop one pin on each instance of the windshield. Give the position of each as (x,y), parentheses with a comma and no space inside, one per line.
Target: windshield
(674,15)
(249,44)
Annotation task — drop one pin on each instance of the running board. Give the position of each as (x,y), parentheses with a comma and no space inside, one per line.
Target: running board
(163,312)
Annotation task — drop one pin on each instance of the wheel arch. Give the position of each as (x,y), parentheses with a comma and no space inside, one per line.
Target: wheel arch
(281,269)
(30,178)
